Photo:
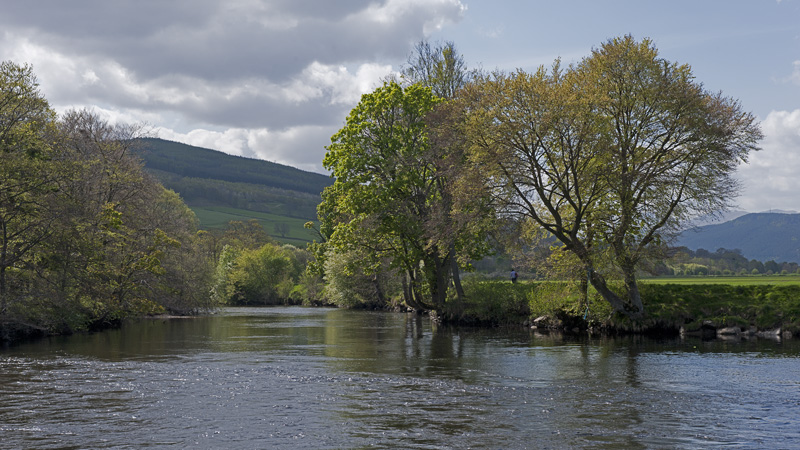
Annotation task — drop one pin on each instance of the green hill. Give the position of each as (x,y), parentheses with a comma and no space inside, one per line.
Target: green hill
(221,187)
(762,236)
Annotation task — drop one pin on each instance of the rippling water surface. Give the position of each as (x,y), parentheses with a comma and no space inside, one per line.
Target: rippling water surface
(324,378)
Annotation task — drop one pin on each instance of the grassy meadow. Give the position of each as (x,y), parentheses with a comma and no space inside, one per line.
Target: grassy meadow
(218,217)
(733,281)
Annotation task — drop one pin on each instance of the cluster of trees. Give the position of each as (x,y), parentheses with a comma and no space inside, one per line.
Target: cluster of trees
(609,156)
(86,237)
(722,262)
(253,269)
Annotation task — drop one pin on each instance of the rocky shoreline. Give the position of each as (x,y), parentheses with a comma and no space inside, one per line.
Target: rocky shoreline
(708,329)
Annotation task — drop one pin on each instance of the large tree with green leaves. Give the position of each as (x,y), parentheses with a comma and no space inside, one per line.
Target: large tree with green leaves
(390,196)
(27,180)
(463,215)
(384,188)
(611,155)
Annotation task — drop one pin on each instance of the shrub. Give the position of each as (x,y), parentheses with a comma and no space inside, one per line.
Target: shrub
(491,302)
(348,284)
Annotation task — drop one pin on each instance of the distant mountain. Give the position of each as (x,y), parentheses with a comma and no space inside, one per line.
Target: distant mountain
(760,236)
(221,187)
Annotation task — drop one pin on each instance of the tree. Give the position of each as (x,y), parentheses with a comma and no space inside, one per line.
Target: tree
(462,216)
(263,276)
(384,188)
(281,228)
(349,286)
(611,155)
(27,176)
(440,67)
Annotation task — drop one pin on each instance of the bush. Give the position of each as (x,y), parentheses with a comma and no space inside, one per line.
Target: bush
(348,284)
(263,276)
(491,302)
(762,306)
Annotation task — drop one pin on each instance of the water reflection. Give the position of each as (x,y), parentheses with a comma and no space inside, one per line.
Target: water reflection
(326,378)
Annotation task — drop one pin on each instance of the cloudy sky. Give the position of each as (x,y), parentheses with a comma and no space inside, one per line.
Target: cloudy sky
(274,79)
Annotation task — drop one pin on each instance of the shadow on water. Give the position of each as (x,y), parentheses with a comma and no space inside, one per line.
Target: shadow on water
(327,378)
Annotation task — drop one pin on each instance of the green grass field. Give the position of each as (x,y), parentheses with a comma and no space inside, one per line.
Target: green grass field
(733,281)
(218,217)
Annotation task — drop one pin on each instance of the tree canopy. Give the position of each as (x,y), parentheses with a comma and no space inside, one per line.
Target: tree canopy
(86,237)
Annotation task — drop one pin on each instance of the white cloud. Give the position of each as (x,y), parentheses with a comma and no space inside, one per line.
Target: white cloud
(342,86)
(770,178)
(267,79)
(301,147)
(437,12)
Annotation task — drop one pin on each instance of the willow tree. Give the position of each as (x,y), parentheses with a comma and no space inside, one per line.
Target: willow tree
(610,155)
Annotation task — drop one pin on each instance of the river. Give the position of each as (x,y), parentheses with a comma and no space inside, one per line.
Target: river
(326,379)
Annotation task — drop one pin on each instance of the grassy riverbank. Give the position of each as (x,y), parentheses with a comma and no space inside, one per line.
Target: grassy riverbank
(762,303)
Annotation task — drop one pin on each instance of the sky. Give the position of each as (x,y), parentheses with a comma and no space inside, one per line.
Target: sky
(274,79)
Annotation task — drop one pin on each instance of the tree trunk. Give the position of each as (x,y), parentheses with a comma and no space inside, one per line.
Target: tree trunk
(378,290)
(437,275)
(409,292)
(456,274)
(584,287)
(634,297)
(619,304)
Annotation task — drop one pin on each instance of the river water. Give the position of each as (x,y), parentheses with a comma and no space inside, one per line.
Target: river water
(329,379)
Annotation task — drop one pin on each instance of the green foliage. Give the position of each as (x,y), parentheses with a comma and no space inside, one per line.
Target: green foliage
(492,302)
(221,289)
(351,284)
(392,196)
(764,306)
(261,276)
(88,239)
(309,290)
(670,306)
(264,274)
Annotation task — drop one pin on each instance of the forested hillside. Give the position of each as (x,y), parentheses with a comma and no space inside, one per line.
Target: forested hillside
(221,187)
(762,236)
(197,162)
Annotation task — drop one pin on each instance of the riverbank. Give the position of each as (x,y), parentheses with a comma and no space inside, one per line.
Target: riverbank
(737,309)
(671,308)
